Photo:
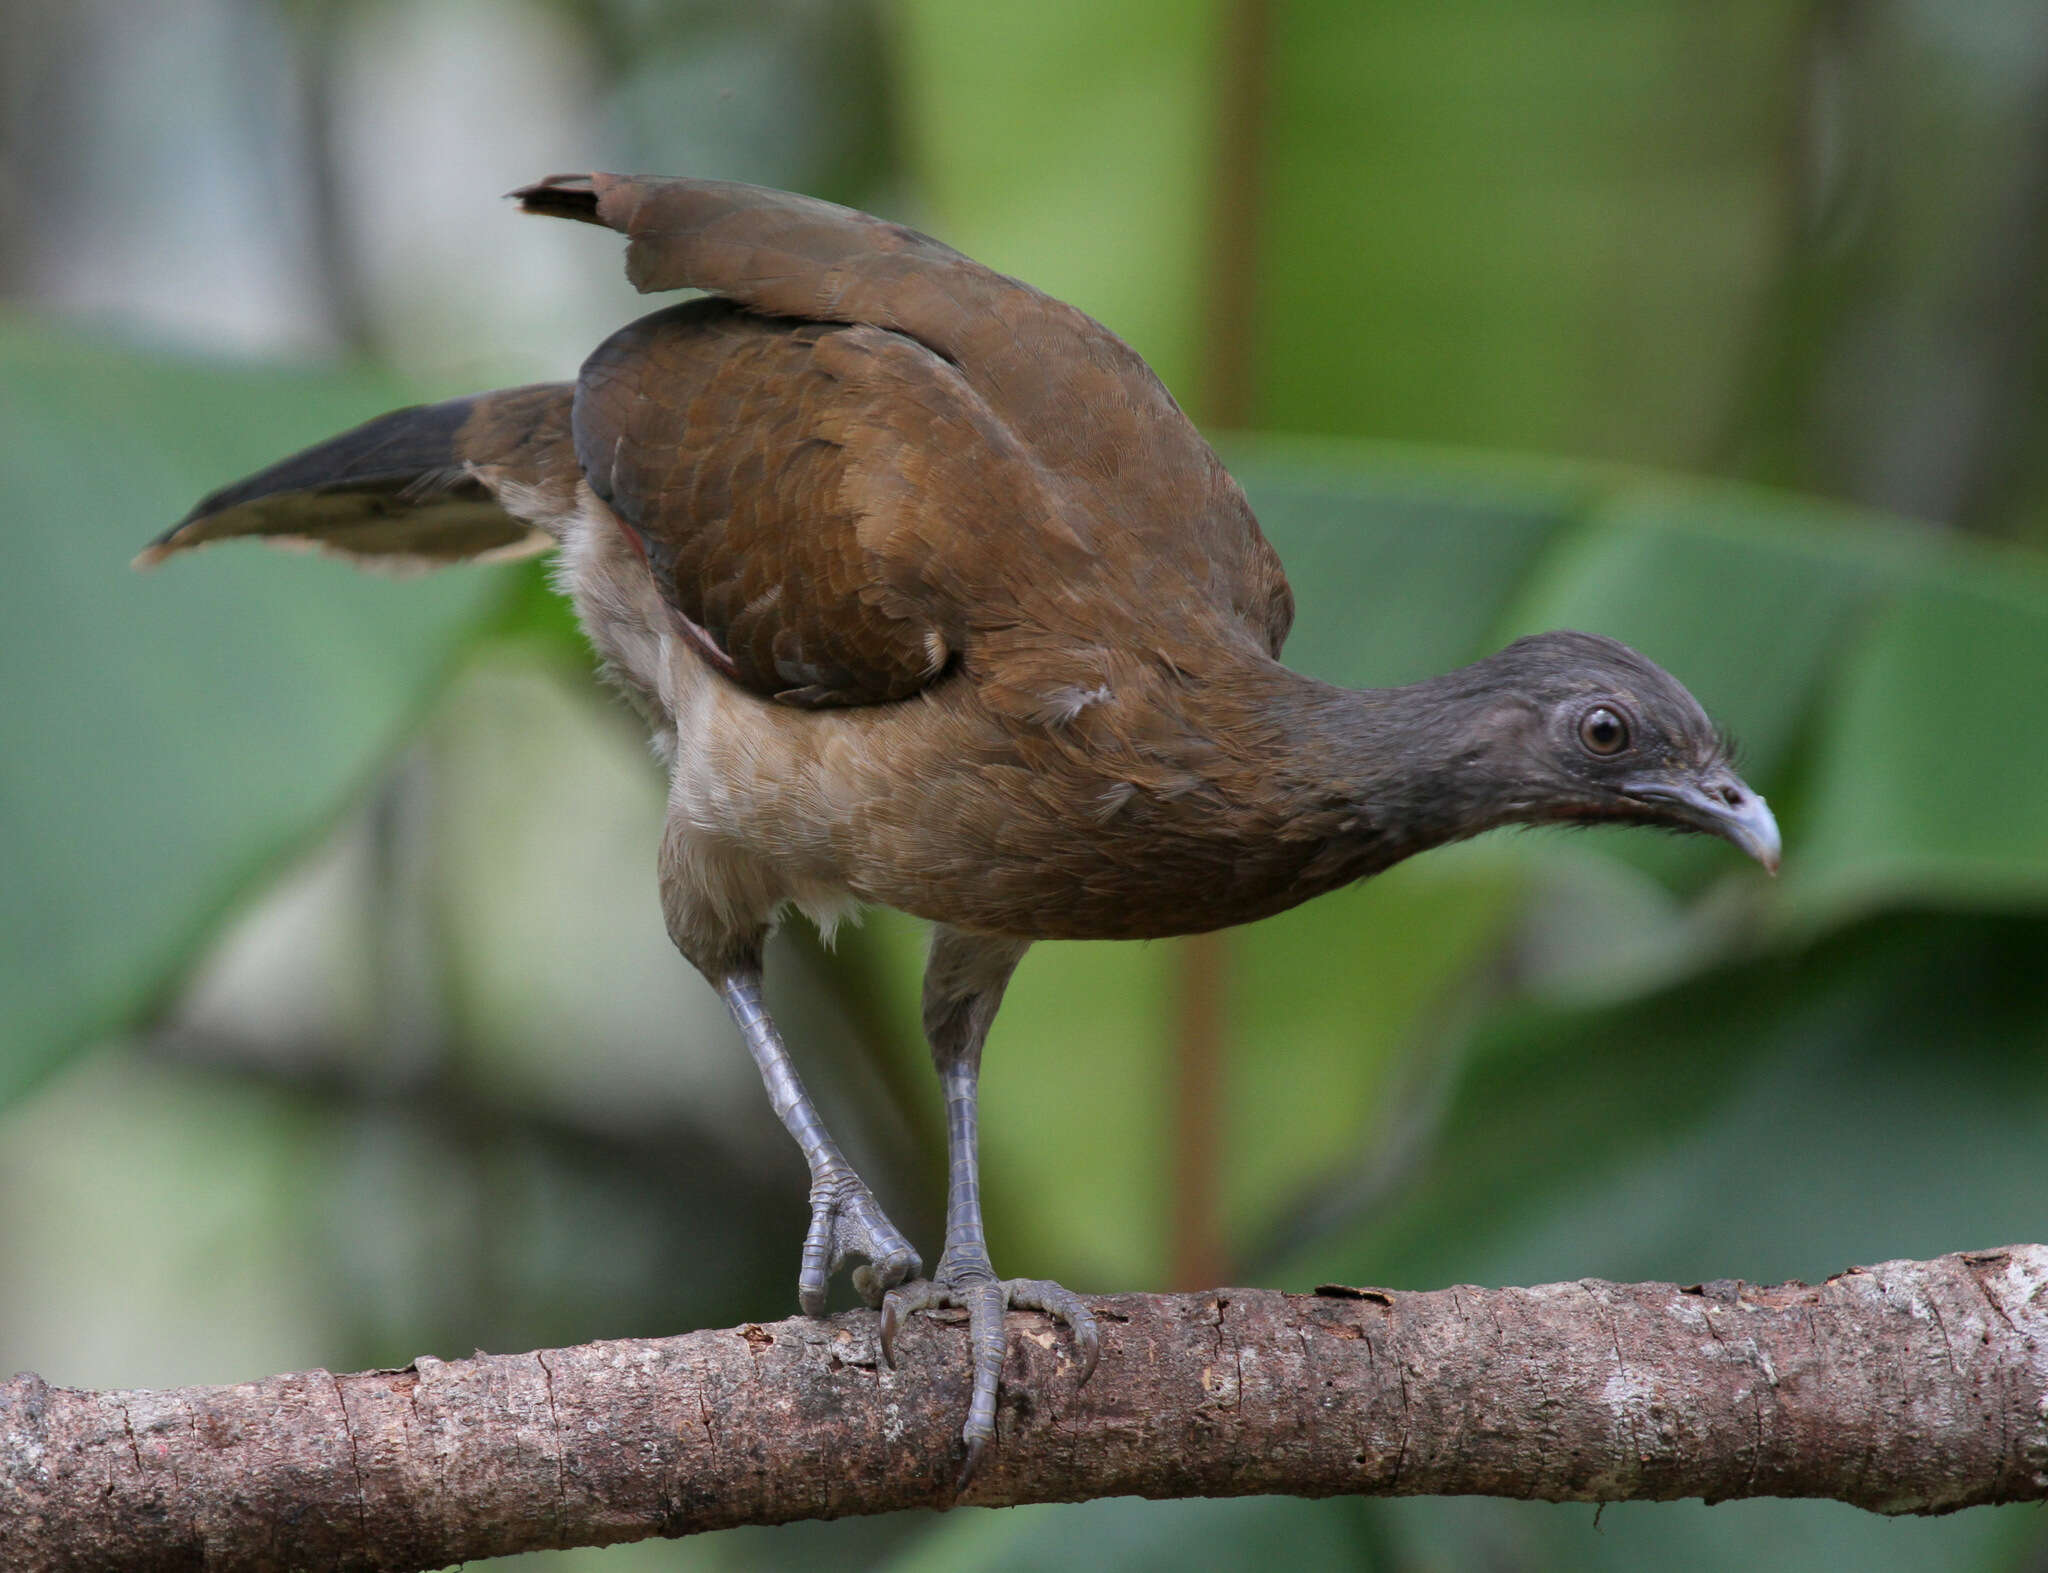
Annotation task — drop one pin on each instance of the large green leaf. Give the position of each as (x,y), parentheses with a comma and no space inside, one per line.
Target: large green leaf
(171,736)
(1519,226)
(1931,781)
(1403,561)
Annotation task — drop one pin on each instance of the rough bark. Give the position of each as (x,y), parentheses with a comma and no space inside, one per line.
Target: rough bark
(1912,1387)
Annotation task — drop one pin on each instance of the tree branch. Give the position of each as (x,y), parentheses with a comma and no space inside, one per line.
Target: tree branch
(1913,1387)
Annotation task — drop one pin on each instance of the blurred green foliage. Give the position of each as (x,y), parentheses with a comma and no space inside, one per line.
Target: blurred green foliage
(174,739)
(1761,240)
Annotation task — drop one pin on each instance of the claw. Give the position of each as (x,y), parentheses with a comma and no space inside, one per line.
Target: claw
(890,1322)
(975,1447)
(1089,1342)
(897,1304)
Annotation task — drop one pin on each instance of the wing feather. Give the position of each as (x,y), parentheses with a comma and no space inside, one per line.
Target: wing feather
(1005,431)
(805,493)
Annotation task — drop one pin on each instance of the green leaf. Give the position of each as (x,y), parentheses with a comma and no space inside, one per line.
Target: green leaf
(1402,560)
(1518,226)
(171,736)
(1931,783)
(1747,594)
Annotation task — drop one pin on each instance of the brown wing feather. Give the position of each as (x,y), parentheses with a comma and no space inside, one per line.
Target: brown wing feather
(794,256)
(1100,430)
(803,492)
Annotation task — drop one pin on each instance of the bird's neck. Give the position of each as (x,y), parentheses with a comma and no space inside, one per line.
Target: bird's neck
(1231,795)
(1376,775)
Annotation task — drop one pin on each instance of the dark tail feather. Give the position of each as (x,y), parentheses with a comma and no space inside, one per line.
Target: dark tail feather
(483,477)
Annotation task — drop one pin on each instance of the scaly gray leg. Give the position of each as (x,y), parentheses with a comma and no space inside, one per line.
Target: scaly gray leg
(963,986)
(845,1220)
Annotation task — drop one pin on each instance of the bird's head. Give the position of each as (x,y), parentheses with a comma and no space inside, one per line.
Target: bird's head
(1574,728)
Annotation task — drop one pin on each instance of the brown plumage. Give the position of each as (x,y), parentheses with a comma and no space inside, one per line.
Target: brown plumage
(934,598)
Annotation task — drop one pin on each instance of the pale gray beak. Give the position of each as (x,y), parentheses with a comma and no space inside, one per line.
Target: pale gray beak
(1722,806)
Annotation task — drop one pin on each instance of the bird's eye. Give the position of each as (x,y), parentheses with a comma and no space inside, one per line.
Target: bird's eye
(1603,731)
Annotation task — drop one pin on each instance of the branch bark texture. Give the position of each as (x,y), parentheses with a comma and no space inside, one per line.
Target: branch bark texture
(1911,1387)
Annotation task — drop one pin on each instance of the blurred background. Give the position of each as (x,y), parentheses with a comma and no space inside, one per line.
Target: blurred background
(337,1023)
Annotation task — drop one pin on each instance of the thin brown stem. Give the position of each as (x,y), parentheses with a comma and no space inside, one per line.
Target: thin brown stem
(1201,1043)
(1201,992)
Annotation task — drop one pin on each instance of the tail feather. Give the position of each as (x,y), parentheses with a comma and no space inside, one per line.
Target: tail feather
(480,478)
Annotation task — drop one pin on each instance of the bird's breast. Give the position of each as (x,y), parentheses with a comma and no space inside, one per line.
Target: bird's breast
(1076,802)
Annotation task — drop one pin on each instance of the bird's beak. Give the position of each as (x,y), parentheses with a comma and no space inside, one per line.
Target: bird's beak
(1720,804)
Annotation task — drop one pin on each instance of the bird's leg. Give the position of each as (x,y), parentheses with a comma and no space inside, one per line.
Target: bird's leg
(845,1219)
(963,986)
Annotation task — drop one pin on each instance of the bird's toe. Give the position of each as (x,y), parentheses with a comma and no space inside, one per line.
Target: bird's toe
(848,1224)
(985,1299)
(883,1270)
(898,1303)
(1062,1304)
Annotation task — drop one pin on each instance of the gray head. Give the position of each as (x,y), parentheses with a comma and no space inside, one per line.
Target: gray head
(1571,728)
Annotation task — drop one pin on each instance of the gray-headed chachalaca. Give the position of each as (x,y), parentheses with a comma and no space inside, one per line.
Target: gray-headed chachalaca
(933,597)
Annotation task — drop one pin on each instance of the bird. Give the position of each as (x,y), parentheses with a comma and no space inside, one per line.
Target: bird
(933,598)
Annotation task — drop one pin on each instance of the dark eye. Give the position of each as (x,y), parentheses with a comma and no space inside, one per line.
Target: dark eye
(1603,732)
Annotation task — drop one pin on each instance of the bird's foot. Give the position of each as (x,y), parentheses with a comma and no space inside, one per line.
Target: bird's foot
(975,1289)
(847,1222)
